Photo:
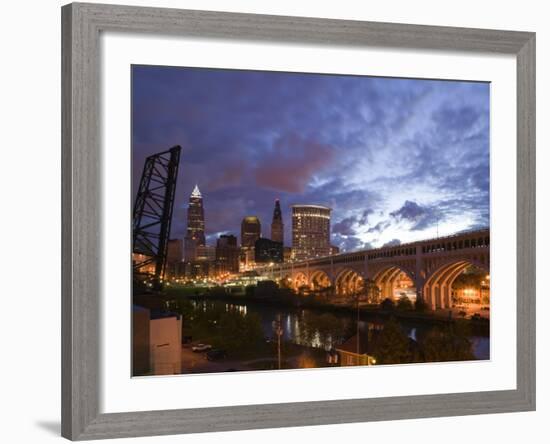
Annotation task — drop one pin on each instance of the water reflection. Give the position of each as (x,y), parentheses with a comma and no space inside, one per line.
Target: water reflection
(320,329)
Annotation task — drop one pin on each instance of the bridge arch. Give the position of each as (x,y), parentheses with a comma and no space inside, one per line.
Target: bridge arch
(387,278)
(285,280)
(319,280)
(300,280)
(348,282)
(438,287)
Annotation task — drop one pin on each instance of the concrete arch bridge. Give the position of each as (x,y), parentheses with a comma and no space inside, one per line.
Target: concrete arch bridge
(428,267)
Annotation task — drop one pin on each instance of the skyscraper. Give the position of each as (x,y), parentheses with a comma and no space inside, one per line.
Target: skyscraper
(268,251)
(174,258)
(251,230)
(227,254)
(310,231)
(277,226)
(195,217)
(195,225)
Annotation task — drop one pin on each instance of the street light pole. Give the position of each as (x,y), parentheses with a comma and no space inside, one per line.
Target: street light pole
(358,338)
(278,329)
(279,333)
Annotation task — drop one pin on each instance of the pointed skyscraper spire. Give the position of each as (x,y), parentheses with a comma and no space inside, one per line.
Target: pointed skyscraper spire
(277,226)
(196,192)
(195,218)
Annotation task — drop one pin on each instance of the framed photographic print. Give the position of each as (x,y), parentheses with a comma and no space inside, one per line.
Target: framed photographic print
(278,221)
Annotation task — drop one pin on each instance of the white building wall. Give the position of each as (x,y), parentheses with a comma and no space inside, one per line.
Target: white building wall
(165,345)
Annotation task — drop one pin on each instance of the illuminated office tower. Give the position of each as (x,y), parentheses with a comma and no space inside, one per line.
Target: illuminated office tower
(195,217)
(195,225)
(310,231)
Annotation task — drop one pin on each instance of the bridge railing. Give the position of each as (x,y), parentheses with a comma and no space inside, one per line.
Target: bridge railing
(457,241)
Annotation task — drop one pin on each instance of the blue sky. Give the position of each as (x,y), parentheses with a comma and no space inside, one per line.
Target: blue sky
(397,160)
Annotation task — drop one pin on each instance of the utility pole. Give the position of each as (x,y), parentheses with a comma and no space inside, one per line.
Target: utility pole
(278,328)
(357,333)
(279,343)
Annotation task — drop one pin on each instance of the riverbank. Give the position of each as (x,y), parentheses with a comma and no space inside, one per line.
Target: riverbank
(479,326)
(248,328)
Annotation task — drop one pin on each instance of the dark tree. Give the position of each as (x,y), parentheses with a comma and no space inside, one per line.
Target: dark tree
(387,304)
(404,304)
(391,345)
(267,289)
(448,344)
(250,291)
(420,305)
(238,333)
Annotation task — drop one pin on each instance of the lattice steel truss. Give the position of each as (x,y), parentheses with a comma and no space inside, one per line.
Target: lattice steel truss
(153,214)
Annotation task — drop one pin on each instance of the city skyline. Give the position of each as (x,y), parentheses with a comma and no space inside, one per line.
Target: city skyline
(397,160)
(379,186)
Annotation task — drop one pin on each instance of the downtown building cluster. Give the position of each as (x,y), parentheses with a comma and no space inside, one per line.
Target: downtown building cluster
(192,258)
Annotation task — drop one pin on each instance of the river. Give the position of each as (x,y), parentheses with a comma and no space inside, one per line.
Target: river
(323,329)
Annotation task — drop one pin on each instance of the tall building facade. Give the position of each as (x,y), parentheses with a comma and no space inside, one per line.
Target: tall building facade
(174,258)
(174,251)
(195,225)
(268,251)
(251,231)
(189,249)
(195,217)
(277,226)
(310,231)
(206,253)
(227,254)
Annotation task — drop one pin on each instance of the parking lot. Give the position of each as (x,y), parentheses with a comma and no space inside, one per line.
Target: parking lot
(192,362)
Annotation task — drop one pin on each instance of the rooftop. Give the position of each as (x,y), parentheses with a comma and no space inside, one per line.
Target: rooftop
(350,346)
(161,314)
(320,207)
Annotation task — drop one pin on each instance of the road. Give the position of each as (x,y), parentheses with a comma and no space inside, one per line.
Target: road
(192,362)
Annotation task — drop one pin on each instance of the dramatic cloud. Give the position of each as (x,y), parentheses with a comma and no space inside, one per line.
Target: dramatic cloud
(292,163)
(349,225)
(392,243)
(349,243)
(364,219)
(345,226)
(419,217)
(393,158)
(379,227)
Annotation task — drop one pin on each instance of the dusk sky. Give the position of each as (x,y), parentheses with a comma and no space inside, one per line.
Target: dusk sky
(397,160)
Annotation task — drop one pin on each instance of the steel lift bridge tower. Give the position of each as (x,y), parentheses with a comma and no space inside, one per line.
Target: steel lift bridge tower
(153,215)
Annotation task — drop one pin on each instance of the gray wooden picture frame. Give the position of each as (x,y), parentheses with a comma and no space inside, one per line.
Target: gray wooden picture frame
(81,253)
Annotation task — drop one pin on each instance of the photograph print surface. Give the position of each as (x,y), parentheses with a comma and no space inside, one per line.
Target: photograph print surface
(299,220)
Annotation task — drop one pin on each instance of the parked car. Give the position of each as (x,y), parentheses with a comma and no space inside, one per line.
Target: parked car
(216,354)
(201,348)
